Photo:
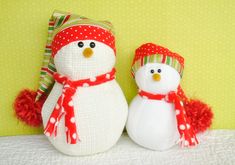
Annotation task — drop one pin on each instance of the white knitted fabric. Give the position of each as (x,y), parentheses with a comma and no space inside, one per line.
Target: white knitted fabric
(70,61)
(100,110)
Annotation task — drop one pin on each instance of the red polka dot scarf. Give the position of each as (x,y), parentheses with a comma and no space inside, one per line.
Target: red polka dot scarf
(65,106)
(187,135)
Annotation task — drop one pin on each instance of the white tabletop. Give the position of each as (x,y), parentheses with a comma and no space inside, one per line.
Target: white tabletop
(218,147)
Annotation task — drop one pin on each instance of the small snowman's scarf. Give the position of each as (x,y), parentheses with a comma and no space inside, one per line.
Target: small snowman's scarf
(65,104)
(187,135)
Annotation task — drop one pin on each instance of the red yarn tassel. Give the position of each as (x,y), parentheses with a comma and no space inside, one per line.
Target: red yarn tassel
(199,114)
(27,110)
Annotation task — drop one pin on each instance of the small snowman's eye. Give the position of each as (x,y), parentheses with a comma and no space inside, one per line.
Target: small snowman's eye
(159,70)
(151,71)
(80,44)
(92,44)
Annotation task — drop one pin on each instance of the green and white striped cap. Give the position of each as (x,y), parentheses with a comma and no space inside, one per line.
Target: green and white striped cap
(152,53)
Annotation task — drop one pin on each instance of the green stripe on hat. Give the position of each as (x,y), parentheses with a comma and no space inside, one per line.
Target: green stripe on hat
(145,59)
(168,60)
(151,58)
(158,58)
(60,20)
(50,28)
(173,62)
(51,67)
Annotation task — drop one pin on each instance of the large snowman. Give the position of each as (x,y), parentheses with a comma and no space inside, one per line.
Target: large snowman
(156,117)
(86,111)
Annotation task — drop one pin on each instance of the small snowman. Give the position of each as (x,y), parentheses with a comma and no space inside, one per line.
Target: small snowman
(157,118)
(85,111)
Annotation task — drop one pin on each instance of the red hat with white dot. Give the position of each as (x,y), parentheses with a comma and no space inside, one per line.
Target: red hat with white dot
(152,53)
(82,32)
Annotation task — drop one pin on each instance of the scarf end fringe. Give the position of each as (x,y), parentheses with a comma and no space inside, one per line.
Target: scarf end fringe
(185,143)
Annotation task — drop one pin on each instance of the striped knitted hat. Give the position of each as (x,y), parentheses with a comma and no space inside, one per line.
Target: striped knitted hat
(151,53)
(65,28)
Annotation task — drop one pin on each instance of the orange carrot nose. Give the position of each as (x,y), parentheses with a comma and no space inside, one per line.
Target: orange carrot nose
(87,53)
(156,77)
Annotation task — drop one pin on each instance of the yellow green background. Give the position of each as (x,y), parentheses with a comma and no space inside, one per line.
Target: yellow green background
(203,31)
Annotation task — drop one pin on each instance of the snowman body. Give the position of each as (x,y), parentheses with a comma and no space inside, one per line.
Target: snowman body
(152,123)
(100,113)
(100,110)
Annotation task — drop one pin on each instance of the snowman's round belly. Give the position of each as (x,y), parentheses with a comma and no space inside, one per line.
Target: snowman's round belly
(100,114)
(152,123)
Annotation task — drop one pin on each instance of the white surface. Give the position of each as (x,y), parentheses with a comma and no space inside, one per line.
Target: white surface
(219,148)
(152,123)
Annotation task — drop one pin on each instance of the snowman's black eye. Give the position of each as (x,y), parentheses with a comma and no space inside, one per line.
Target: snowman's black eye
(159,70)
(92,44)
(80,44)
(151,71)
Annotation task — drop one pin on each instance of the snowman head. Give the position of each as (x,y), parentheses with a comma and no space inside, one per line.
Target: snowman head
(83,51)
(157,78)
(156,69)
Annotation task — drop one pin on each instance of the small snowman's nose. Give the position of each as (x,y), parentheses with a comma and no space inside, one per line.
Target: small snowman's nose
(156,77)
(87,52)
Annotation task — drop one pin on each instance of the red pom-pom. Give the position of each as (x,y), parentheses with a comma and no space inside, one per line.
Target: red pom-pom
(27,109)
(199,114)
